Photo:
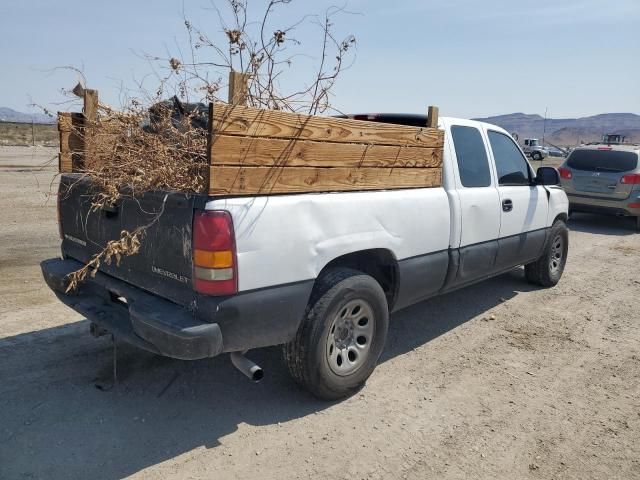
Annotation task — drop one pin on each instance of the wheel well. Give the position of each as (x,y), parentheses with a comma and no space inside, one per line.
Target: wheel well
(379,263)
(562,216)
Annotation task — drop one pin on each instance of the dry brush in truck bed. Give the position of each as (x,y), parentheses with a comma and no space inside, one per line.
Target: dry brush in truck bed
(122,157)
(239,150)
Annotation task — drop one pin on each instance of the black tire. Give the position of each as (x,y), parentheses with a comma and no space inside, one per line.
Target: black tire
(536,156)
(307,356)
(637,219)
(547,270)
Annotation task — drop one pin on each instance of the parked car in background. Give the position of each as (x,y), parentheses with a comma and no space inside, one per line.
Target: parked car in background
(534,149)
(603,178)
(556,152)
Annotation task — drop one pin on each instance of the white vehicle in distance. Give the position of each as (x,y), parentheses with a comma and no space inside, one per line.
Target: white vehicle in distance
(533,148)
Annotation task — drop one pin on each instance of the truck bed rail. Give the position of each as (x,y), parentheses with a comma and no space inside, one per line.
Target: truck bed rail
(254,151)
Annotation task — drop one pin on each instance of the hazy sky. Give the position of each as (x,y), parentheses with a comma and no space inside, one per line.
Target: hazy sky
(471,58)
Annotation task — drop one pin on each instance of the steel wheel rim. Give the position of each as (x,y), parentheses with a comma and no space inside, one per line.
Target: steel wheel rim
(350,337)
(557,251)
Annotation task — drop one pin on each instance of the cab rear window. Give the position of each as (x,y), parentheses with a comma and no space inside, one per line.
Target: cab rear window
(603,160)
(473,164)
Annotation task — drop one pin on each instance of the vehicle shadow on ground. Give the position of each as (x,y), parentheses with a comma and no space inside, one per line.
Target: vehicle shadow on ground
(601,224)
(55,423)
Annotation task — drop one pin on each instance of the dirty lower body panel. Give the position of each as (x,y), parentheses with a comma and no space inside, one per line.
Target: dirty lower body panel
(203,327)
(144,320)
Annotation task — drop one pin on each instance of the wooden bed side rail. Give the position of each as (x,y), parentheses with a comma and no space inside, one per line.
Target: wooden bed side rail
(259,152)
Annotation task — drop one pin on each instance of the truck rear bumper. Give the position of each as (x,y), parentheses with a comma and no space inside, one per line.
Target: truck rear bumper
(141,319)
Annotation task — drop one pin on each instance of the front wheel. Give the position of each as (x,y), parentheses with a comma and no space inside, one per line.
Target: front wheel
(339,341)
(536,156)
(547,270)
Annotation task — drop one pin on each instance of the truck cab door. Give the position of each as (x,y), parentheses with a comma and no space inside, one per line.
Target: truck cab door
(479,207)
(523,204)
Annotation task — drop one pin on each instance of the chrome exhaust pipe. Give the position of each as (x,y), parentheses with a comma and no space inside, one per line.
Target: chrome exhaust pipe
(246,366)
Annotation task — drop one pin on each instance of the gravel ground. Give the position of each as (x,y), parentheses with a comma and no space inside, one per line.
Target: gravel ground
(499,380)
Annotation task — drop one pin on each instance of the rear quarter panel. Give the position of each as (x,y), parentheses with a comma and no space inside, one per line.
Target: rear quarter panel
(290,238)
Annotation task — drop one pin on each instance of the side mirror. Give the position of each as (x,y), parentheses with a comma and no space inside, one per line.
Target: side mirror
(547,176)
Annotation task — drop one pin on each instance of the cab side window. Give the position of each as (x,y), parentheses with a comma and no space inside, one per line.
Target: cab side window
(473,163)
(511,166)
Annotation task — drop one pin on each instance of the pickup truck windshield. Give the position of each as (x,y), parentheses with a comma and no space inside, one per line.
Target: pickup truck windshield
(603,160)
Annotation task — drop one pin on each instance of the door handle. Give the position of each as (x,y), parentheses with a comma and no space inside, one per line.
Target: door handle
(507,205)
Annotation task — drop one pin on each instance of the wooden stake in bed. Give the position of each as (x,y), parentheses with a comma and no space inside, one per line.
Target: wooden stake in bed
(70,126)
(432,117)
(90,119)
(76,133)
(238,87)
(91,105)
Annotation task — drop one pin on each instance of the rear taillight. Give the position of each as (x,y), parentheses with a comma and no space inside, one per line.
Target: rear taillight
(633,179)
(215,269)
(634,205)
(565,173)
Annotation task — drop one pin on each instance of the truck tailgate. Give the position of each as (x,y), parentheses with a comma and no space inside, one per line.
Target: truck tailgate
(163,265)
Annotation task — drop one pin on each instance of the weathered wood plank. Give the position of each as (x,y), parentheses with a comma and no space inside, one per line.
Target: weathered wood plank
(70,128)
(238,87)
(253,122)
(90,117)
(91,105)
(255,151)
(265,180)
(64,129)
(432,117)
(65,162)
(64,122)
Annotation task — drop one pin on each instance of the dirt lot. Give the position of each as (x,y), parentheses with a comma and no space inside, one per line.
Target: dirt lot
(499,380)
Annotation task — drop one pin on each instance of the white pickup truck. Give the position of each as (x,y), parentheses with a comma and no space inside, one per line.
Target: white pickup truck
(319,273)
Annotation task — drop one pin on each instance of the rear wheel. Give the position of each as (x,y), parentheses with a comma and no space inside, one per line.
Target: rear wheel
(547,270)
(637,223)
(339,341)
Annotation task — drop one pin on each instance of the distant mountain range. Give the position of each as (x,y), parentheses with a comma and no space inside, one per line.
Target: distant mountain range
(10,115)
(569,131)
